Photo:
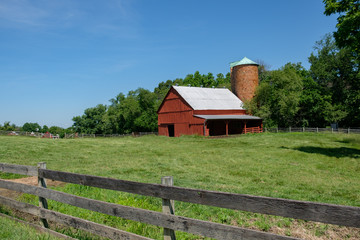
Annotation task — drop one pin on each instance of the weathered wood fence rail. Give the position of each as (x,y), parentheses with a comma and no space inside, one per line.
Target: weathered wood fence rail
(319,212)
(77,135)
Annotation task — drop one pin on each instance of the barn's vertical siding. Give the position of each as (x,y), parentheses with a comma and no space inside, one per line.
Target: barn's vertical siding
(175,111)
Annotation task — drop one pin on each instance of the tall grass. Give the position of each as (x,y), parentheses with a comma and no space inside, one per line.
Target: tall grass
(302,166)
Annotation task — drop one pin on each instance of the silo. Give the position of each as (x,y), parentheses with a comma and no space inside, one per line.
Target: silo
(244,78)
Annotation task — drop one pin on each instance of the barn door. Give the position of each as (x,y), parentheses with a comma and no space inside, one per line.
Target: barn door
(171,130)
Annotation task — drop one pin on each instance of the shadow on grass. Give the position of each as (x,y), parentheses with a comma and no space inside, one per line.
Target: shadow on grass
(331,152)
(350,140)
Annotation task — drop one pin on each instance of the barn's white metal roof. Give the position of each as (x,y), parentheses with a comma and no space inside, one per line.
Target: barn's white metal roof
(209,98)
(228,117)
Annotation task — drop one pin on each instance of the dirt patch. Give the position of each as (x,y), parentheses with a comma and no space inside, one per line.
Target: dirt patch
(317,231)
(29,181)
(14,195)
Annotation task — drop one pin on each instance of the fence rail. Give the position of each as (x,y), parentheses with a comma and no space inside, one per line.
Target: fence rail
(319,212)
(134,134)
(76,135)
(139,134)
(317,130)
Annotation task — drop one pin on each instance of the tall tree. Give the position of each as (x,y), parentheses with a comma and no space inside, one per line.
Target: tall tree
(31,127)
(91,121)
(9,127)
(348,26)
(337,72)
(277,98)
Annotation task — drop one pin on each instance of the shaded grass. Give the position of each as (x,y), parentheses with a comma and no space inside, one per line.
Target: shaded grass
(300,166)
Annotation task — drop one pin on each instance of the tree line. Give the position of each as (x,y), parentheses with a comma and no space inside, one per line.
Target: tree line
(35,127)
(136,111)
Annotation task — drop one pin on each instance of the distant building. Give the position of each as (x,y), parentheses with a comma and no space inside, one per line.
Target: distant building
(211,111)
(47,135)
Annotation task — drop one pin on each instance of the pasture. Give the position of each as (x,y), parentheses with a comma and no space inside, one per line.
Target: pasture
(300,166)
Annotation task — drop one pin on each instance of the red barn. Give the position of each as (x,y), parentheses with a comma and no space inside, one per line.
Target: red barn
(211,111)
(47,135)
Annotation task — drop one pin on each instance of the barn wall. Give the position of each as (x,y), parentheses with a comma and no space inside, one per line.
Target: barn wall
(174,110)
(162,129)
(197,129)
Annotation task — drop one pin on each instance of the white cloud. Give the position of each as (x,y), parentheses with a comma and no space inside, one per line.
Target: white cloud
(116,17)
(21,12)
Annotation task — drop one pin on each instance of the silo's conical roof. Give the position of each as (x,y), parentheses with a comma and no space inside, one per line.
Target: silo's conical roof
(244,61)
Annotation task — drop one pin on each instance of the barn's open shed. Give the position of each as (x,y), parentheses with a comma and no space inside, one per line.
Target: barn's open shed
(204,111)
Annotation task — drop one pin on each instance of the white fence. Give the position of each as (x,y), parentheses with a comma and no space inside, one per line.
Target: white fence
(316,130)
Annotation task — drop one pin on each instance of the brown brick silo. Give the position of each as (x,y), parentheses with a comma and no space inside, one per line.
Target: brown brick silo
(244,78)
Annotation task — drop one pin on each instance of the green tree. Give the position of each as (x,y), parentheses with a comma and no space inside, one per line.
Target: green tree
(337,72)
(348,26)
(147,121)
(313,103)
(277,98)
(31,127)
(44,129)
(163,87)
(9,127)
(334,113)
(135,112)
(91,121)
(197,80)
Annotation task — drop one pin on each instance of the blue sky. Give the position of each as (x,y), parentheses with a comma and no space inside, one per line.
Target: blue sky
(59,57)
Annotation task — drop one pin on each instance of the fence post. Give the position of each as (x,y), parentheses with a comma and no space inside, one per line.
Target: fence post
(303,129)
(168,208)
(289,129)
(42,201)
(348,130)
(317,129)
(332,130)
(277,129)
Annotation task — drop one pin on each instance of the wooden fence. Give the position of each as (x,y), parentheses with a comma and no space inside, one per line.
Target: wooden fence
(319,212)
(85,135)
(139,134)
(76,135)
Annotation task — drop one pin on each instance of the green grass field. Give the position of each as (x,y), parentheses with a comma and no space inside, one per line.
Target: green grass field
(301,166)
